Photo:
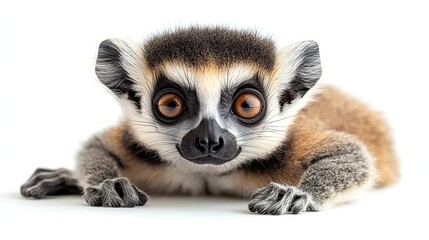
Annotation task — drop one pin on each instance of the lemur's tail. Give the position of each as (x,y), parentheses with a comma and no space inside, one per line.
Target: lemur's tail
(47,182)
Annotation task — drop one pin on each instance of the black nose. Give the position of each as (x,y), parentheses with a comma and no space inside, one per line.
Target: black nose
(208,143)
(209,137)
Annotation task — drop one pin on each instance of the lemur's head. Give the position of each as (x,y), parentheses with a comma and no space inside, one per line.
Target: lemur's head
(210,99)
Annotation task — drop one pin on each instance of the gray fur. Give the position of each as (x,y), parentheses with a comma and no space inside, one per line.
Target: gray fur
(343,168)
(47,182)
(278,199)
(118,192)
(96,163)
(198,45)
(98,171)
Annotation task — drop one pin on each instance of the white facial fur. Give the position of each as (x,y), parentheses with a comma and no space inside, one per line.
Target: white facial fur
(257,142)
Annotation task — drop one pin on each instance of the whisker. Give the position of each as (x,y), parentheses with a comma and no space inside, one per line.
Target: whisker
(159,142)
(281,119)
(155,132)
(273,131)
(252,146)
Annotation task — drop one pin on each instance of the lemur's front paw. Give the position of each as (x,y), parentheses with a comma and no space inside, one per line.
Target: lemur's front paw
(277,199)
(48,182)
(118,192)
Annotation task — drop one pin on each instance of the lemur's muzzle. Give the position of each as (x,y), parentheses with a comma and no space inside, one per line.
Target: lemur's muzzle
(209,144)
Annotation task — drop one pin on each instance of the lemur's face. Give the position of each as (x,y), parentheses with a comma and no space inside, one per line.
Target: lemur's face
(209,99)
(209,111)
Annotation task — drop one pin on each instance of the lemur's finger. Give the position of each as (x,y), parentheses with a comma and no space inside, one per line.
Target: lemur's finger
(126,191)
(45,186)
(109,196)
(143,197)
(92,196)
(38,170)
(301,203)
(41,174)
(32,179)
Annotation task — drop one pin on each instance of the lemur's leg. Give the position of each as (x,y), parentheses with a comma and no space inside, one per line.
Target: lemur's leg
(339,169)
(98,174)
(47,182)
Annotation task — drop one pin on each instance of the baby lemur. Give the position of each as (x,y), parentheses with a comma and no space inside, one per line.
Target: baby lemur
(213,110)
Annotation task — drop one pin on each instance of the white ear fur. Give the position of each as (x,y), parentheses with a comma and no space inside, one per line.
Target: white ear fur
(118,64)
(300,69)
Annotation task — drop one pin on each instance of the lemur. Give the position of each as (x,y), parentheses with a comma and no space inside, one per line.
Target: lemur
(221,111)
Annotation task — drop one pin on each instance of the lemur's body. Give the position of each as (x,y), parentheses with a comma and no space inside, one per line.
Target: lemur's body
(293,155)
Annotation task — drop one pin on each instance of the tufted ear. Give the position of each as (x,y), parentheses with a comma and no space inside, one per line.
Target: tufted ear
(116,63)
(300,70)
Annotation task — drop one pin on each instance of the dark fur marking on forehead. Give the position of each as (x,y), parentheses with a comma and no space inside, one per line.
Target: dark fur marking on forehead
(199,45)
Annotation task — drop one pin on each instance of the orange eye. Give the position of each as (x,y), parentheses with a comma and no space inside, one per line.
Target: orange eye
(170,105)
(247,106)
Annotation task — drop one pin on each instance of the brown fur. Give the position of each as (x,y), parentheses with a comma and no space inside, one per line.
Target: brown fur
(136,170)
(316,130)
(334,110)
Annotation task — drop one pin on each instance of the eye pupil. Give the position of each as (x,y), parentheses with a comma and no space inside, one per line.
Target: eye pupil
(246,106)
(171,106)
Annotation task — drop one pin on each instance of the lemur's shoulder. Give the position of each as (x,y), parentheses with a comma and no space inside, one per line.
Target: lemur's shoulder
(334,110)
(337,110)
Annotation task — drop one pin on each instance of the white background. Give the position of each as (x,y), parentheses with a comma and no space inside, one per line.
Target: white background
(51,101)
